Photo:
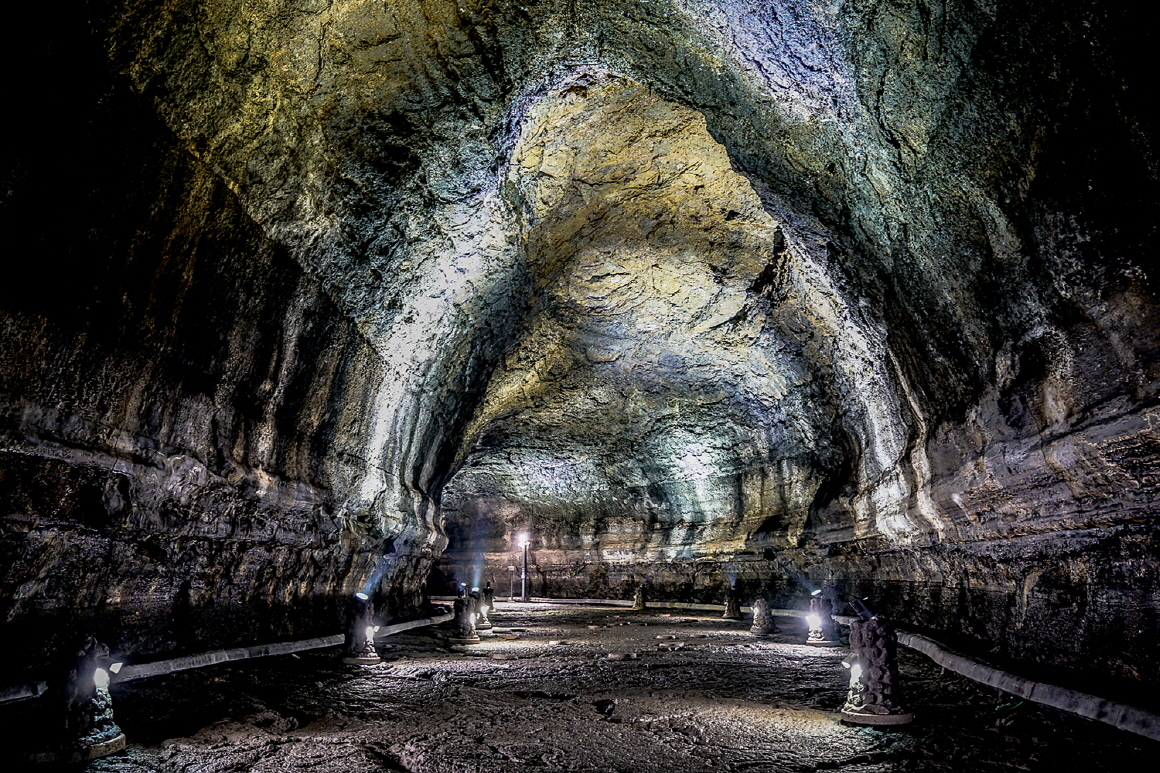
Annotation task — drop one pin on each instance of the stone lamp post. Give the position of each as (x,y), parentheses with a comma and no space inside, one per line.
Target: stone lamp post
(89,730)
(732,603)
(821,622)
(524,542)
(873,696)
(465,615)
(763,624)
(638,600)
(360,632)
(486,605)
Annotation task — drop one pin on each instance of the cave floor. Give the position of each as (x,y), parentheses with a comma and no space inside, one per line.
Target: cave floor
(540,693)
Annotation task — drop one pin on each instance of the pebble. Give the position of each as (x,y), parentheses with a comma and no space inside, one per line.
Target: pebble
(622,656)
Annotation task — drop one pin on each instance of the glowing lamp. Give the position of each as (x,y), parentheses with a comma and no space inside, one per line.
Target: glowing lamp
(91,731)
(732,603)
(855,673)
(524,542)
(486,605)
(359,648)
(820,622)
(465,615)
(116,668)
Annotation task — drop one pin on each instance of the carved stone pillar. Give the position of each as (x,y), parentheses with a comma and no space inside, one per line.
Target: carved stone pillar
(87,730)
(822,632)
(732,604)
(465,615)
(360,633)
(763,624)
(873,697)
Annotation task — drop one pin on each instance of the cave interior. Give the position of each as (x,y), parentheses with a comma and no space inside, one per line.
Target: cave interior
(311,297)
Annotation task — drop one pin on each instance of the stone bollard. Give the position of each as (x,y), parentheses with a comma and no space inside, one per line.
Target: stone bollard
(486,605)
(89,730)
(732,604)
(465,614)
(821,623)
(638,601)
(359,648)
(873,697)
(763,624)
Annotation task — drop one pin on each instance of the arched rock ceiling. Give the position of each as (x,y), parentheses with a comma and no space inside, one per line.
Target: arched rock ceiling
(685,343)
(730,271)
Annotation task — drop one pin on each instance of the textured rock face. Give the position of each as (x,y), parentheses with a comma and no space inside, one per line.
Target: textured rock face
(794,293)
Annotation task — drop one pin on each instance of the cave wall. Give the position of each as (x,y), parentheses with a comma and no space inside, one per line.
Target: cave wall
(853,294)
(178,398)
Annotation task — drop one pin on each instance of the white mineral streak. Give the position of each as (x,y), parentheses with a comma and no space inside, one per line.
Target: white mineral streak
(436,319)
(870,395)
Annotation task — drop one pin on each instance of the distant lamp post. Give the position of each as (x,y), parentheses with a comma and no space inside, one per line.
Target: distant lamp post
(360,632)
(732,603)
(512,583)
(873,663)
(486,605)
(465,615)
(820,621)
(524,542)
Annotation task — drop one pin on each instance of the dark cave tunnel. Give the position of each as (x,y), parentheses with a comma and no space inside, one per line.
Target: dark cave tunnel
(308,298)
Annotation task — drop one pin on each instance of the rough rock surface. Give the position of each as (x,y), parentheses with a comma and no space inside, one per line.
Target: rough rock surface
(793,293)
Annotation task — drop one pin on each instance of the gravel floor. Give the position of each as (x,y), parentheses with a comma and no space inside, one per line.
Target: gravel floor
(702,694)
